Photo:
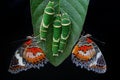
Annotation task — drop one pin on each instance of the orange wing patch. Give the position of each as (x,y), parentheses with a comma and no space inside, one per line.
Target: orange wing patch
(34,55)
(89,40)
(80,51)
(28,42)
(85,48)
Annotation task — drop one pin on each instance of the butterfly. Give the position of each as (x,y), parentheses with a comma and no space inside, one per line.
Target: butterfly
(28,55)
(86,54)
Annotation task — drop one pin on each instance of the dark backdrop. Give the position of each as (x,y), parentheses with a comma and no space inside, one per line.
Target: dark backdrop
(16,25)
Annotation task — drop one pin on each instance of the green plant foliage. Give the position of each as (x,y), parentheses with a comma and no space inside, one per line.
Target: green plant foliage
(76,9)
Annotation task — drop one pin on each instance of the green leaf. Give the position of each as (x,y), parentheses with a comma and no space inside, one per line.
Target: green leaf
(76,9)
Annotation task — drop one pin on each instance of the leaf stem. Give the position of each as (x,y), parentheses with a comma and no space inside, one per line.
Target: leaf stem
(58,6)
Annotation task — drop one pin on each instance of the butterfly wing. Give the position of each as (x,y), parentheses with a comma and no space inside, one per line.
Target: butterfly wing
(99,64)
(86,54)
(35,57)
(29,55)
(17,63)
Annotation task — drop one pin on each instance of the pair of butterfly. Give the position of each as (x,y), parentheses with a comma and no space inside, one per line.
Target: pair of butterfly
(85,54)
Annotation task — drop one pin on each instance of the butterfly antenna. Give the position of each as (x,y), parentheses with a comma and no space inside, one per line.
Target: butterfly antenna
(98,40)
(14,42)
(83,33)
(37,36)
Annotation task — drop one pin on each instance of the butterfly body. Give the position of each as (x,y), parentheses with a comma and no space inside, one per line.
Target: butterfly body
(86,54)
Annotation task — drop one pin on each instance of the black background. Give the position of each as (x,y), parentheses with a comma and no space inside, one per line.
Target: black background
(16,25)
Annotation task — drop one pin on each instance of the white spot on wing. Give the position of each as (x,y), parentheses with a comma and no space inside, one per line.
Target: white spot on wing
(97,57)
(89,52)
(30,54)
(38,54)
(20,59)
